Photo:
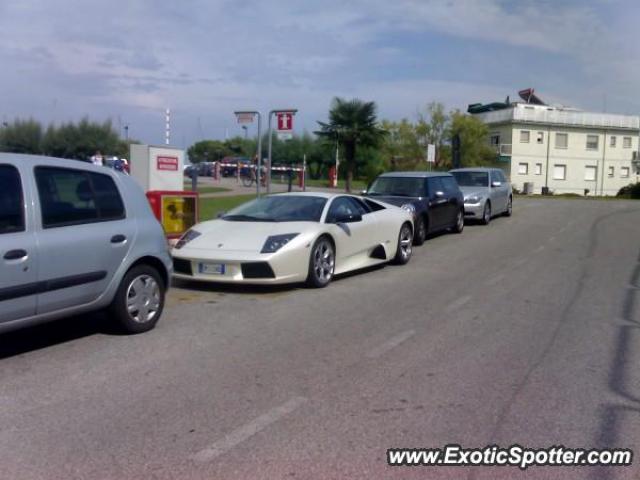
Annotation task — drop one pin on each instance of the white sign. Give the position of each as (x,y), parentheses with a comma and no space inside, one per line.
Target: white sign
(245,117)
(431,153)
(285,135)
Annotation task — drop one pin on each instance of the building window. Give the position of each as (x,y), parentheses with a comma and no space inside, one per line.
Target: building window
(495,139)
(626,142)
(562,140)
(540,137)
(612,141)
(624,172)
(523,169)
(559,172)
(524,136)
(611,171)
(590,173)
(538,169)
(592,142)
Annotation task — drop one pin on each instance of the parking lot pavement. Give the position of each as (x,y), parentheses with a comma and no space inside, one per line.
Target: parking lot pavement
(524,331)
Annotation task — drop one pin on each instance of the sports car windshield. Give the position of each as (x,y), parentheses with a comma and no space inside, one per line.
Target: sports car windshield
(398,187)
(285,208)
(472,179)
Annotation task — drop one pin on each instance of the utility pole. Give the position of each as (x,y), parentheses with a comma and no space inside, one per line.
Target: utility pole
(291,111)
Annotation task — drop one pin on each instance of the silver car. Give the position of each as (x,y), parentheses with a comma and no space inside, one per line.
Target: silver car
(75,237)
(487,192)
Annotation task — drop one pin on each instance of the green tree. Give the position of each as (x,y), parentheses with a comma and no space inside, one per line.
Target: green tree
(21,136)
(433,128)
(353,123)
(402,147)
(208,151)
(474,147)
(80,141)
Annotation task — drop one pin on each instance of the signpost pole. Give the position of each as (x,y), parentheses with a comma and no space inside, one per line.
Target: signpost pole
(268,179)
(247,117)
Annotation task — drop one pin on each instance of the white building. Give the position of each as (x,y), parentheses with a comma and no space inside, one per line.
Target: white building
(565,150)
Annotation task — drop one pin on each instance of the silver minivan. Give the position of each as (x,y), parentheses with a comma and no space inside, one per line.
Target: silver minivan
(74,238)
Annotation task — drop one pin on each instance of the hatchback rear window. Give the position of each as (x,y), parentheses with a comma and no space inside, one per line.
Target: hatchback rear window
(11,200)
(73,197)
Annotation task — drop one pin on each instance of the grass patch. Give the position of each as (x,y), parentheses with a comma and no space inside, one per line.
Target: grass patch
(356,185)
(211,207)
(207,189)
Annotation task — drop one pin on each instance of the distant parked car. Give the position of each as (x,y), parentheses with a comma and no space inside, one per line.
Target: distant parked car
(487,192)
(75,237)
(433,198)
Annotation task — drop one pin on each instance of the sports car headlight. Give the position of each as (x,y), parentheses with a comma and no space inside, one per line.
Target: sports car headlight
(473,199)
(186,238)
(409,207)
(276,242)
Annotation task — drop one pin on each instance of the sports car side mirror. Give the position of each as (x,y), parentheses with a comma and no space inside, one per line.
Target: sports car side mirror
(363,192)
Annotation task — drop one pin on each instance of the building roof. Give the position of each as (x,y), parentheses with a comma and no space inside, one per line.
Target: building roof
(548,115)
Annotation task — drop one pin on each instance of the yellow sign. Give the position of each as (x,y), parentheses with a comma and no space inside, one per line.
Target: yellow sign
(178,214)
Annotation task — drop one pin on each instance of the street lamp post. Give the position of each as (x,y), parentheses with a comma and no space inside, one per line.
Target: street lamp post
(292,111)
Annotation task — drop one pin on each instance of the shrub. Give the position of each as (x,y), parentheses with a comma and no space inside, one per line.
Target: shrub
(630,191)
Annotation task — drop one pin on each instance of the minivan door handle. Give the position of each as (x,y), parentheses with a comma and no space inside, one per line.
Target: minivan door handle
(15,254)
(118,239)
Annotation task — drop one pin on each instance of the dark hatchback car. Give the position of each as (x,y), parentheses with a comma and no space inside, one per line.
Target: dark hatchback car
(434,198)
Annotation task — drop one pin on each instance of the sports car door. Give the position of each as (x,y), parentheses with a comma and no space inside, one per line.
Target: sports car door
(355,234)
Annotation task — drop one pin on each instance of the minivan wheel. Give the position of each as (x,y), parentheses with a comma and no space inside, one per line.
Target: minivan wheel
(486,214)
(459,225)
(421,231)
(404,250)
(322,263)
(139,301)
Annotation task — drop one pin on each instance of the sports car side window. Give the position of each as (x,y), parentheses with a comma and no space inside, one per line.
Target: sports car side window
(360,206)
(341,206)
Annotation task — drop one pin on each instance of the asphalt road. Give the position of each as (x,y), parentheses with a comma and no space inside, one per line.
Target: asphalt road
(525,331)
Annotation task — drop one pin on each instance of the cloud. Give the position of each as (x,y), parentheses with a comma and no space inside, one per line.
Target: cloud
(205,58)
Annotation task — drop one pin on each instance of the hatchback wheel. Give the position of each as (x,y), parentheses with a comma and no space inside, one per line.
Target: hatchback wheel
(321,263)
(139,300)
(459,225)
(486,214)
(421,231)
(405,241)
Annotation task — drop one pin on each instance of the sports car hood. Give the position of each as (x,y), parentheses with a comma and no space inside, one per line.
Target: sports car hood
(224,235)
(479,191)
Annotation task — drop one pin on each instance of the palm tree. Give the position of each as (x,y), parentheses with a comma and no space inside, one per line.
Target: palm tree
(352,123)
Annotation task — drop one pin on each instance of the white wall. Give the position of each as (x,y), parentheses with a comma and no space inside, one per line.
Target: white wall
(576,157)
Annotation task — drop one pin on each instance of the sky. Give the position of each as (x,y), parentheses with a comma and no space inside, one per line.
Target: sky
(128,61)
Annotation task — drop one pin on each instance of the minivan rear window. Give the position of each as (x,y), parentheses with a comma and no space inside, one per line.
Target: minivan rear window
(11,200)
(74,197)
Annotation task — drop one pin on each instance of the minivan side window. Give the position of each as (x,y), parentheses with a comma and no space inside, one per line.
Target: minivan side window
(11,200)
(74,197)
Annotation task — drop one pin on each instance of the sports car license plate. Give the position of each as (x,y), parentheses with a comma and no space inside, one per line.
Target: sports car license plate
(211,268)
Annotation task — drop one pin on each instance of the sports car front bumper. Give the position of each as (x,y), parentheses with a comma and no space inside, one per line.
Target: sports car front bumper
(233,266)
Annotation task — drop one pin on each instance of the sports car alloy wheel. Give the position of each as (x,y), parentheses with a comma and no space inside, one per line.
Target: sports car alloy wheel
(143,299)
(322,263)
(405,242)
